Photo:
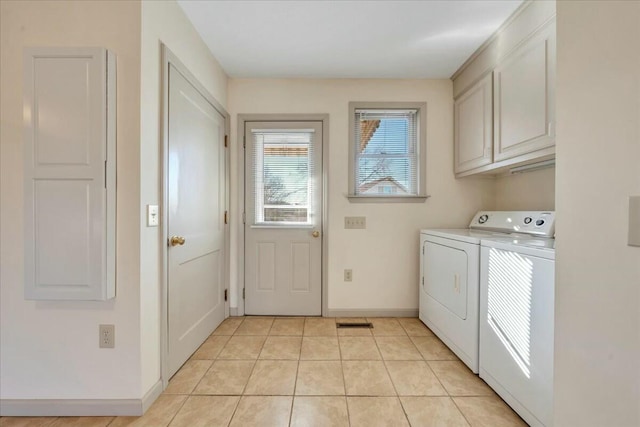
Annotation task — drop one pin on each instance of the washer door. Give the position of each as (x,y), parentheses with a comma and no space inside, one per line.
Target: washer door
(445,276)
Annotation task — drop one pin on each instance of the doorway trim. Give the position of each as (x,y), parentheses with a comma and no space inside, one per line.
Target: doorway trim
(324,227)
(169,58)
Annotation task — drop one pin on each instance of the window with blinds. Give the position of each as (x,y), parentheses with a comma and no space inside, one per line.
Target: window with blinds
(283,170)
(387,152)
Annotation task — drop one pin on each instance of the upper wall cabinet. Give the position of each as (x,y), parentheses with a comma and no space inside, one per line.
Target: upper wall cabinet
(473,131)
(524,97)
(69,173)
(505,96)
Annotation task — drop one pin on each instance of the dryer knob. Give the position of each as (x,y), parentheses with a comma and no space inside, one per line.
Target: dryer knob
(540,222)
(483,219)
(528,220)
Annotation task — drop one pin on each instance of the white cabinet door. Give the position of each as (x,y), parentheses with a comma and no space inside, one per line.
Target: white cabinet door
(524,97)
(69,173)
(474,127)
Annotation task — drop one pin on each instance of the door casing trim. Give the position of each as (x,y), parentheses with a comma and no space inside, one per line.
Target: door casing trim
(169,58)
(243,119)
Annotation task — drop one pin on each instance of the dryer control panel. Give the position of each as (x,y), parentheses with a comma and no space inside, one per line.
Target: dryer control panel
(537,223)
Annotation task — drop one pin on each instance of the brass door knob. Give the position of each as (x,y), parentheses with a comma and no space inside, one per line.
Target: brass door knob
(316,233)
(176,240)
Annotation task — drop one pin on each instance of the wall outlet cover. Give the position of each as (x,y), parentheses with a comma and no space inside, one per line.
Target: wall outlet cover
(107,336)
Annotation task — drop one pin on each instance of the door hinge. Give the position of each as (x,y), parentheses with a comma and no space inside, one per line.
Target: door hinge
(244,218)
(244,141)
(422,280)
(226,217)
(243,293)
(226,140)
(225,294)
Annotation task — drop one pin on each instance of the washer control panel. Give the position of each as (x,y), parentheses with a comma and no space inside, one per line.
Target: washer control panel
(538,223)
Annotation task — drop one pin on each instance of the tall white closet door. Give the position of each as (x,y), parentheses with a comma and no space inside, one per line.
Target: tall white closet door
(69,173)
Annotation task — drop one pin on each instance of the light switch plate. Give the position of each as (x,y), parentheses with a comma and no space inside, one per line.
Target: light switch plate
(152,216)
(355,222)
(634,221)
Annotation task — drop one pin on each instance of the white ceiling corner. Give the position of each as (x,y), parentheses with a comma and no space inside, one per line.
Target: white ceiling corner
(343,38)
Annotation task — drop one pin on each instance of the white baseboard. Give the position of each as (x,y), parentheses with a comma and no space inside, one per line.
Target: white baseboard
(233,311)
(79,407)
(364,312)
(151,396)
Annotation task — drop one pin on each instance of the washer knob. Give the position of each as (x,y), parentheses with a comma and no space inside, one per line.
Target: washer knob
(483,219)
(528,220)
(540,223)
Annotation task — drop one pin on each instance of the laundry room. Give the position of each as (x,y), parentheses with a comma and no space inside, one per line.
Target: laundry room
(336,212)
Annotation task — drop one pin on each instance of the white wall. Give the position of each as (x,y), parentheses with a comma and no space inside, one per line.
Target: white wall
(384,257)
(597,350)
(162,21)
(526,191)
(49,350)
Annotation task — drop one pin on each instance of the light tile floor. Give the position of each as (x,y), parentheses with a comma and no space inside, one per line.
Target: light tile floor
(266,371)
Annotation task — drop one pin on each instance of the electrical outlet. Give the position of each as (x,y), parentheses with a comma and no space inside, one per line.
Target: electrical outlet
(107,336)
(355,222)
(348,275)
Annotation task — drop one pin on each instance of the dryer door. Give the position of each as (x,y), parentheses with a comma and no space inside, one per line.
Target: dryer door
(445,276)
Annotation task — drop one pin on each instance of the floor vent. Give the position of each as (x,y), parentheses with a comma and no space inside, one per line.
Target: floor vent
(355,325)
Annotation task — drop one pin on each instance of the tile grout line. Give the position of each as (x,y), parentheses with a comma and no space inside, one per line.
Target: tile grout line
(344,379)
(295,383)
(235,410)
(176,413)
(459,410)
(393,384)
(295,380)
(205,374)
(210,367)
(437,378)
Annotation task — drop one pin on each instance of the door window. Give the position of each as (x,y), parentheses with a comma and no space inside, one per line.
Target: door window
(283,176)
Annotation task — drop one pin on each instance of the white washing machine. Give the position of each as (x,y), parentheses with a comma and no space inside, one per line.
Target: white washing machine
(450,274)
(516,324)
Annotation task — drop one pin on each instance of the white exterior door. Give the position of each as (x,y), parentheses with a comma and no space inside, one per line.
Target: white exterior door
(283,223)
(196,201)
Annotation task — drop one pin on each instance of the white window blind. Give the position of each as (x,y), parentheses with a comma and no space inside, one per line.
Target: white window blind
(283,171)
(386,152)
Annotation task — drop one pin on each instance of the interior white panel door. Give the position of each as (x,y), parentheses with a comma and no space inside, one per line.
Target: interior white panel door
(283,202)
(69,173)
(196,202)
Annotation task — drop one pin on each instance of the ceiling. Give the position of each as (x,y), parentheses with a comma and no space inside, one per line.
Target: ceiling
(345,39)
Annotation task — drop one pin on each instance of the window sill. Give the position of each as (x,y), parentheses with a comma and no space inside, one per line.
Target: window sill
(381,199)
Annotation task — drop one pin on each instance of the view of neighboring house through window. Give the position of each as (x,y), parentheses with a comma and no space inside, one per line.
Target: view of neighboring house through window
(283,173)
(386,152)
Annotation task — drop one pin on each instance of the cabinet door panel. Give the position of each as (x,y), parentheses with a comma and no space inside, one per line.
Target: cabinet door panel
(474,127)
(69,173)
(524,97)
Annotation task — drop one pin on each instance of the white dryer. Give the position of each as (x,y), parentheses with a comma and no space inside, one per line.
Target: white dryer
(450,275)
(516,324)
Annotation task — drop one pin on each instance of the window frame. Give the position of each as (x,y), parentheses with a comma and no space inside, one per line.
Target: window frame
(421,107)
